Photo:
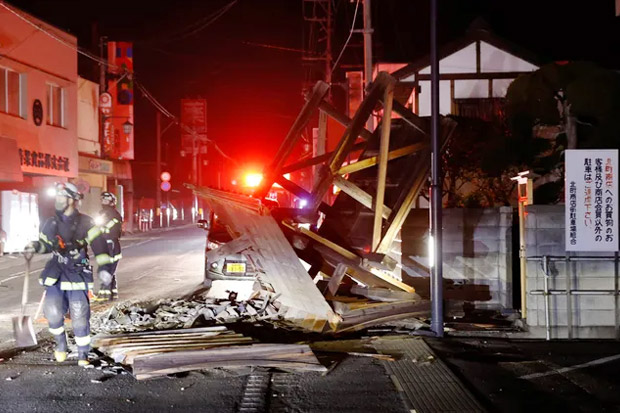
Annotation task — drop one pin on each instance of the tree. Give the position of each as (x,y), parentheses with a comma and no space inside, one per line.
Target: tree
(578,101)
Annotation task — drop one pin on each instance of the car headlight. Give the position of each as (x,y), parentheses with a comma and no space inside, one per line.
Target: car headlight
(214,265)
(212,245)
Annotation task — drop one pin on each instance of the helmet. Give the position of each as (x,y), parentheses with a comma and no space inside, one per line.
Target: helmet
(69,190)
(109,196)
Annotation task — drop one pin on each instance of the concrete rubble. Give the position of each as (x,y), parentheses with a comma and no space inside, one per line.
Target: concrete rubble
(168,314)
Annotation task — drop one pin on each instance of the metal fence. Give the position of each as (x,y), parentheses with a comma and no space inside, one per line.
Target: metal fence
(570,272)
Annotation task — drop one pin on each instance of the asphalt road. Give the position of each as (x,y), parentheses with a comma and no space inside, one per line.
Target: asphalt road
(154,265)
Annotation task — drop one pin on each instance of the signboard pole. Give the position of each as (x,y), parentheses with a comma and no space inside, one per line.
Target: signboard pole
(158,161)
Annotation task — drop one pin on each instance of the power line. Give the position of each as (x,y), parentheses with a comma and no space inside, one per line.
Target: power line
(348,38)
(58,38)
(125,72)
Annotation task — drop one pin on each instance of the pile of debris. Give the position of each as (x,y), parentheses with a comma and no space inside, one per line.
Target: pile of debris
(163,352)
(166,314)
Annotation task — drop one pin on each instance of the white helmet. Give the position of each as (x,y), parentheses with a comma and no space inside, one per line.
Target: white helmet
(109,196)
(69,190)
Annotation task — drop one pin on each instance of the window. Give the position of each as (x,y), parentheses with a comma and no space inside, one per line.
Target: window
(10,92)
(55,105)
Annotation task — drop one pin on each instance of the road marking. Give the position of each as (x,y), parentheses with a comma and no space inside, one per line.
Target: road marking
(141,242)
(20,274)
(571,368)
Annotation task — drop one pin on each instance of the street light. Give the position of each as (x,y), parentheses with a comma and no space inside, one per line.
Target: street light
(127,127)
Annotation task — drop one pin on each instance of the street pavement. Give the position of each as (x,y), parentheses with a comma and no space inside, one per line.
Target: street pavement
(503,375)
(154,264)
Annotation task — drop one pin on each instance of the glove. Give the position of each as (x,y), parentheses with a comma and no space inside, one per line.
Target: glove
(32,247)
(105,277)
(75,254)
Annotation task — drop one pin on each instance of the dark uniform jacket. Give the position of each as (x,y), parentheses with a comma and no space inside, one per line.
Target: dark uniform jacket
(67,238)
(111,231)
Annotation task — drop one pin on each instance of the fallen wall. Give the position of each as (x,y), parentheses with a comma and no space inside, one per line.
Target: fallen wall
(593,316)
(477,254)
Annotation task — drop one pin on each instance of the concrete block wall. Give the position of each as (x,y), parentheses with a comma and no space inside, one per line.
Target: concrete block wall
(477,252)
(593,316)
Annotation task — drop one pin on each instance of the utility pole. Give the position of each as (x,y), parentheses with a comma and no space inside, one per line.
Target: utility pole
(158,161)
(368,55)
(436,193)
(317,15)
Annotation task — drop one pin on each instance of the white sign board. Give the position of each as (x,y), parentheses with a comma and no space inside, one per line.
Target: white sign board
(591,197)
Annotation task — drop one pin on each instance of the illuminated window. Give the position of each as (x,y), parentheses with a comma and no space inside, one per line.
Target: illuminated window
(55,105)
(10,92)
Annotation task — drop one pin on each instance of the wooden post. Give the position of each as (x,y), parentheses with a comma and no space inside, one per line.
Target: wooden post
(384,149)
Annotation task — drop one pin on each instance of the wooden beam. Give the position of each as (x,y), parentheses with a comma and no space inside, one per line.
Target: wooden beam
(404,203)
(317,159)
(410,117)
(326,174)
(329,244)
(384,149)
(341,118)
(372,161)
(299,192)
(359,195)
(318,93)
(336,278)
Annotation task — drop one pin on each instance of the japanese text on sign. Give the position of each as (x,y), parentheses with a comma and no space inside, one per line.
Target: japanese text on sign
(591,200)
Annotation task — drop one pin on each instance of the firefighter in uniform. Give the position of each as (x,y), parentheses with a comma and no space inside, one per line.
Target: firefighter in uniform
(111,222)
(68,276)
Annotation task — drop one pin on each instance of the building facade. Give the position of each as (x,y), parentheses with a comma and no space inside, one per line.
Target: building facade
(38,119)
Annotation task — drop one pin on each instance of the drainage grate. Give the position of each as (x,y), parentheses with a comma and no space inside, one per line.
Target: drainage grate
(255,393)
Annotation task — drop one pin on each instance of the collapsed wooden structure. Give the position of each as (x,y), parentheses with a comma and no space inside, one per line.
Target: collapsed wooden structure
(353,246)
(159,353)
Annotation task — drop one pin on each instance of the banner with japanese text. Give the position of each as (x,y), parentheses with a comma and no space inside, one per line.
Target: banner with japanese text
(193,116)
(118,134)
(591,197)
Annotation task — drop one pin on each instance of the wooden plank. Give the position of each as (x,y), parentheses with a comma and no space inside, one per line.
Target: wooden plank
(179,331)
(336,278)
(372,161)
(318,93)
(383,294)
(359,195)
(384,149)
(329,244)
(317,159)
(355,271)
(293,356)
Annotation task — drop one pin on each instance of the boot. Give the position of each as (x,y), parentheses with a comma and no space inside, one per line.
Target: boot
(60,356)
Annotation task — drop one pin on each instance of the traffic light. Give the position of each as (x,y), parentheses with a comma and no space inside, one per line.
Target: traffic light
(165,181)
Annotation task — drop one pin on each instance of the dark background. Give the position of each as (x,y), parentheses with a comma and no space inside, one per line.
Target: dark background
(254,93)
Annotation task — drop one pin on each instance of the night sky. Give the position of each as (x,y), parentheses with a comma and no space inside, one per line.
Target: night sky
(254,93)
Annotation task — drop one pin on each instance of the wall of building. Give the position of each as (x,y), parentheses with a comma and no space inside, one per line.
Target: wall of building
(477,254)
(593,316)
(40,60)
(88,114)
